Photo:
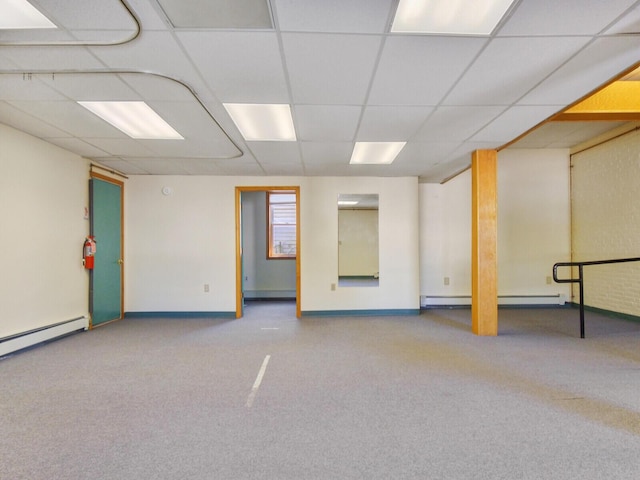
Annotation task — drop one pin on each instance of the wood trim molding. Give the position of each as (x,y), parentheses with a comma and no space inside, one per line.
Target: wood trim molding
(238,194)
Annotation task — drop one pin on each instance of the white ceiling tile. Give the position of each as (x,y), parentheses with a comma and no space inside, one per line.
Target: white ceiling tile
(149,14)
(330,76)
(335,16)
(391,123)
(78,146)
(52,59)
(36,36)
(512,123)
(546,134)
(268,153)
(33,125)
(330,69)
(420,70)
(592,67)
(630,23)
(18,86)
(122,166)
(6,64)
(456,123)
(564,134)
(332,170)
(241,67)
(332,153)
(509,67)
(155,166)
(284,169)
(152,51)
(190,119)
(197,147)
(326,122)
(90,86)
(121,147)
(70,117)
(568,17)
(240,167)
(425,154)
(448,169)
(93,15)
(155,87)
(198,166)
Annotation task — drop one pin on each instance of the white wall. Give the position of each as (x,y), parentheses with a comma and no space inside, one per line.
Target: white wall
(399,252)
(533,230)
(445,240)
(177,243)
(534,218)
(606,222)
(264,278)
(43,194)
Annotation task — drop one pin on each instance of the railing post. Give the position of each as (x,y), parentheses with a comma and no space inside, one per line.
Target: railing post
(581,283)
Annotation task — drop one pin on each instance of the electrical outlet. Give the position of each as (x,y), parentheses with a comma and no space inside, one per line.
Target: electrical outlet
(446,280)
(549,280)
(206,288)
(333,287)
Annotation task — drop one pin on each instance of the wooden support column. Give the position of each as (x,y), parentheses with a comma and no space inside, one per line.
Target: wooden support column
(484,268)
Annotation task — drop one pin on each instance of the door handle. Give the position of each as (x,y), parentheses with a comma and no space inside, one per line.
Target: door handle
(120,261)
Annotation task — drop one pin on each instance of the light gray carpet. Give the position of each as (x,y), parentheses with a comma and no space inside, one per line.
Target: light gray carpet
(340,398)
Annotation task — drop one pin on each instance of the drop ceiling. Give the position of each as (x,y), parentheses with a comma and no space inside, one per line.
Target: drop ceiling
(346,77)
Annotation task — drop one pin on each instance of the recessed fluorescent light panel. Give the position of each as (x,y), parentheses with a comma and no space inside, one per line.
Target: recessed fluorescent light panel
(136,119)
(375,153)
(263,122)
(461,17)
(20,14)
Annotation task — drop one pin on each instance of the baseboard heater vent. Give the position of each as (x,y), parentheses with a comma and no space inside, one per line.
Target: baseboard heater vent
(23,340)
(427,301)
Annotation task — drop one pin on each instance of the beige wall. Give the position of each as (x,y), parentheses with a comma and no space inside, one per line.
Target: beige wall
(43,194)
(533,231)
(606,222)
(174,244)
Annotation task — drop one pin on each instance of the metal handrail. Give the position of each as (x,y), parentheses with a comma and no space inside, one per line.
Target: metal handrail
(580,279)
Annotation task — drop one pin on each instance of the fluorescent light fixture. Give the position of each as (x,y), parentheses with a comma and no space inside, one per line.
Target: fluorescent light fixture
(17,14)
(375,153)
(263,122)
(456,17)
(347,202)
(136,119)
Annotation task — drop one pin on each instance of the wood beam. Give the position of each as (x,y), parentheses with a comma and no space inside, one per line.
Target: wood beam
(484,270)
(619,101)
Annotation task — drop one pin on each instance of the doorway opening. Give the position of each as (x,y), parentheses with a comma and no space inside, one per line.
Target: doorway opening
(275,233)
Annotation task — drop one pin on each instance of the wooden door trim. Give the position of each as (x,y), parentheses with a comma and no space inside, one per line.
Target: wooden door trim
(238,194)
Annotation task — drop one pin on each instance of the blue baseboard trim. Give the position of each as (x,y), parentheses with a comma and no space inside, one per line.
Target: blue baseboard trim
(180,315)
(360,313)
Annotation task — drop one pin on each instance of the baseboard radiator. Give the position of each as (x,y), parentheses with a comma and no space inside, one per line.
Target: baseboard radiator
(23,340)
(434,301)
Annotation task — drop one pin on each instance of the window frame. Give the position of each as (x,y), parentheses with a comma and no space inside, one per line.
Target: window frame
(271,253)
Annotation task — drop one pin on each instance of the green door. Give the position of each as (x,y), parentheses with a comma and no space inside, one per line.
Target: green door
(105,298)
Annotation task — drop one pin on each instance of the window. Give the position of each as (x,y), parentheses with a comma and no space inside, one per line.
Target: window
(281,211)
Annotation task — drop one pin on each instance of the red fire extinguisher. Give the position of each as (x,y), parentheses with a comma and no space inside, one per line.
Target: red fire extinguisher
(88,252)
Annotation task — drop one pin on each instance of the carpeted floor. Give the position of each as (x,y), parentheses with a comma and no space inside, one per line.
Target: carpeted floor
(274,397)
